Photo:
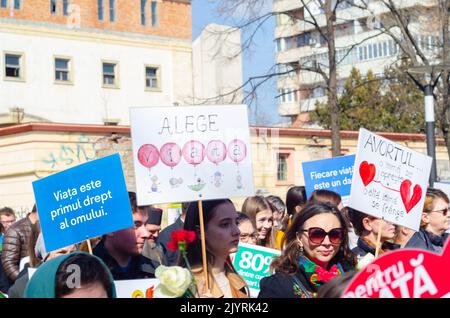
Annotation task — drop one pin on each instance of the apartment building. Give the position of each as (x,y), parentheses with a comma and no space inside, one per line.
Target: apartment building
(359,43)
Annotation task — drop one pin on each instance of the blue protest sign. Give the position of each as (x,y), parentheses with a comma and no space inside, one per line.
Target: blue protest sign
(83,202)
(333,174)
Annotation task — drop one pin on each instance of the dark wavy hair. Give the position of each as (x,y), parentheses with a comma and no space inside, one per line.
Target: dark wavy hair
(288,261)
(294,197)
(324,196)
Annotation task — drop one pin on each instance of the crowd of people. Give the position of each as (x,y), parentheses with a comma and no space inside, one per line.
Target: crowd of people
(321,243)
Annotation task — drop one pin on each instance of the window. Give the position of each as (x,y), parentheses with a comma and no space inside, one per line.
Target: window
(62,70)
(65,7)
(287,95)
(13,66)
(53,5)
(4,3)
(278,46)
(143,16)
(17,4)
(100,9)
(303,39)
(152,78)
(110,74)
(282,166)
(112,8)
(154,13)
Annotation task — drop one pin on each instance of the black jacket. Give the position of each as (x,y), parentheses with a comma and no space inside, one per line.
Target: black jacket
(165,237)
(138,268)
(362,248)
(282,285)
(427,241)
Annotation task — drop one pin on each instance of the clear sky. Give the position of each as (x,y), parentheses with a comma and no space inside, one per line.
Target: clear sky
(256,62)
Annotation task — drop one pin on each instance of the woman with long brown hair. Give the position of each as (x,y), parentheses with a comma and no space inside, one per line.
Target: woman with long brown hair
(222,239)
(259,210)
(316,251)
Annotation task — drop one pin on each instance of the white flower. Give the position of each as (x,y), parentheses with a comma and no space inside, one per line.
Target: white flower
(173,281)
(364,261)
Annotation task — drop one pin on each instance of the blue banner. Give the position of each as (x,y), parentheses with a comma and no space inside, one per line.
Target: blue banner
(83,202)
(333,174)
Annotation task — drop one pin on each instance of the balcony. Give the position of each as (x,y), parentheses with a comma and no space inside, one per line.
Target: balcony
(307,105)
(289,108)
(285,5)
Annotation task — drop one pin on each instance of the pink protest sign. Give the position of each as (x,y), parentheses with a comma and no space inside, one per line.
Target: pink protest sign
(404,273)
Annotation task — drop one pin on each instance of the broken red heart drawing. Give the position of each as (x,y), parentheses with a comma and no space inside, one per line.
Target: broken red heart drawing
(405,273)
(367,172)
(410,201)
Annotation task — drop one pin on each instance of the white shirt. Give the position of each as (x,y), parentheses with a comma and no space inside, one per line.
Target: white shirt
(224,284)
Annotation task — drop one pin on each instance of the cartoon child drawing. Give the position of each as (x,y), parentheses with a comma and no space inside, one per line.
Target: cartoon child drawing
(238,181)
(217,179)
(154,184)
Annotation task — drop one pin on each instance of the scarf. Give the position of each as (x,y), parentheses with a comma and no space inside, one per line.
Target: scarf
(317,274)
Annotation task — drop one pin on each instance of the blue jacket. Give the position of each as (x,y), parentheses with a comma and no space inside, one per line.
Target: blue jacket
(427,241)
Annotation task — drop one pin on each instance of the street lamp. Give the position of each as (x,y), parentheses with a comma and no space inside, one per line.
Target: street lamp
(428,71)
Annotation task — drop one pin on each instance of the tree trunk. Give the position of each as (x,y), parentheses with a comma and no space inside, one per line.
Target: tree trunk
(333,106)
(445,119)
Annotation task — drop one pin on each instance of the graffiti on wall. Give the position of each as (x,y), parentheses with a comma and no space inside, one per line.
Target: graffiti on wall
(71,154)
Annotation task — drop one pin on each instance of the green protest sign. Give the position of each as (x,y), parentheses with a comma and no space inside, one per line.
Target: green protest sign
(252,262)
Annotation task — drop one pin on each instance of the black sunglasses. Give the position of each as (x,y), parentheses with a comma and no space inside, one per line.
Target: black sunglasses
(444,211)
(317,235)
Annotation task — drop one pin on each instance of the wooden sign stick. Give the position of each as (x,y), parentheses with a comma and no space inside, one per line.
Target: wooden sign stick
(378,246)
(88,241)
(202,238)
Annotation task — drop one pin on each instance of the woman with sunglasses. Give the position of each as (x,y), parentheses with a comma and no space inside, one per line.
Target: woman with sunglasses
(316,251)
(434,223)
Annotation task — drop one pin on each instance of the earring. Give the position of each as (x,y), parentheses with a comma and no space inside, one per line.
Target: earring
(300,247)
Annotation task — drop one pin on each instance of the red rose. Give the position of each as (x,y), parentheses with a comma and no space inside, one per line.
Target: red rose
(181,236)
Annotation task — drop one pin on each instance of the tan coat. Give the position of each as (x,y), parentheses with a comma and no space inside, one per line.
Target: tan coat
(237,284)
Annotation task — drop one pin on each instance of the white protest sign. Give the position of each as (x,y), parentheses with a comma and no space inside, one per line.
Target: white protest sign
(136,288)
(191,153)
(390,180)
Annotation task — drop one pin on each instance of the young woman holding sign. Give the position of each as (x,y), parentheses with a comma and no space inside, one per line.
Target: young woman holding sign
(316,251)
(222,239)
(435,221)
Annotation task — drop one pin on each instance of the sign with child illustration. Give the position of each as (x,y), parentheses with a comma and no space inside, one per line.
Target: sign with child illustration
(389,181)
(191,153)
(82,202)
(405,273)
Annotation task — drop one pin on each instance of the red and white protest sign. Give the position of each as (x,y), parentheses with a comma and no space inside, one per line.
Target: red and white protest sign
(405,273)
(390,180)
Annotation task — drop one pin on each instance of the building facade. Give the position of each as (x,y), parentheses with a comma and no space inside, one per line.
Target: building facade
(88,61)
(32,151)
(359,43)
(217,65)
